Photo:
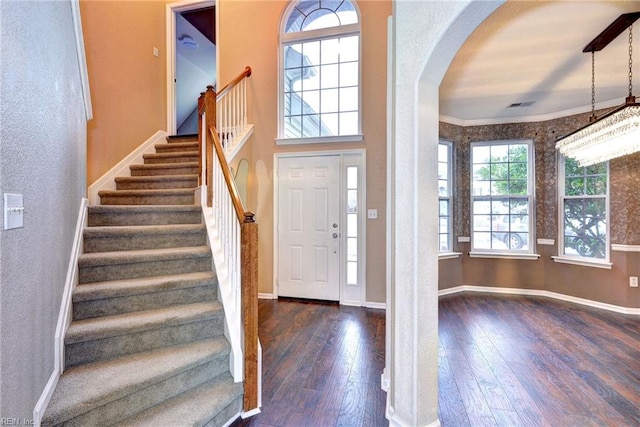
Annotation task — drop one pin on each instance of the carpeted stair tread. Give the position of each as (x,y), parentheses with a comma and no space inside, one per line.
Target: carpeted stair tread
(157,192)
(122,215)
(142,285)
(157,181)
(182,138)
(195,407)
(142,255)
(84,388)
(171,157)
(164,166)
(112,326)
(177,145)
(141,230)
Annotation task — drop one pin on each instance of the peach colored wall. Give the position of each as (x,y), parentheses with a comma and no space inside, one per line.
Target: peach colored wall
(128,83)
(249,36)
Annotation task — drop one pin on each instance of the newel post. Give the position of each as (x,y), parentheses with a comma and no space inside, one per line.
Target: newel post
(249,260)
(210,114)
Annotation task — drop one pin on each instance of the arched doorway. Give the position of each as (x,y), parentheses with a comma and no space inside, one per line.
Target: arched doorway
(424,39)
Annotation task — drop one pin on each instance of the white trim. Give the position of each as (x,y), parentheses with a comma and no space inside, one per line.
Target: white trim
(232,420)
(395,421)
(262,295)
(170,25)
(243,137)
(504,255)
(319,139)
(349,303)
(542,293)
(449,255)
(250,413)
(530,119)
(585,262)
(464,239)
(385,382)
(65,314)
(547,242)
(625,248)
(82,59)
(107,181)
(376,305)
(362,256)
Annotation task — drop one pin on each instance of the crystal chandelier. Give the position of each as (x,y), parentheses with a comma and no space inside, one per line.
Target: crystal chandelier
(617,133)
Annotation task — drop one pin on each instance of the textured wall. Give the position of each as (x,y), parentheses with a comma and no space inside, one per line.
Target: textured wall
(609,286)
(42,156)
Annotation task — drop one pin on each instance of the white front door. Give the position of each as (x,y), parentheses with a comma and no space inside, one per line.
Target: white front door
(309,227)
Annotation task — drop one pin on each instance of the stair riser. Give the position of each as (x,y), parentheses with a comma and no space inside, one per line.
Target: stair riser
(103,273)
(187,170)
(148,301)
(120,409)
(112,347)
(234,408)
(170,159)
(141,241)
(175,148)
(143,218)
(157,185)
(176,199)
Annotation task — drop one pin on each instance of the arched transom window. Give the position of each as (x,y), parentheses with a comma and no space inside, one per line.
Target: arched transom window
(320,72)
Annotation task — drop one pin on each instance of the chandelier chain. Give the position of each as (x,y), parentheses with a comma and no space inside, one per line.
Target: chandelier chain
(630,59)
(593,83)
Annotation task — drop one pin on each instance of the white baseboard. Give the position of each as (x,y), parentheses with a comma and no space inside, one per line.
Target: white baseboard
(262,295)
(64,316)
(107,181)
(377,305)
(541,293)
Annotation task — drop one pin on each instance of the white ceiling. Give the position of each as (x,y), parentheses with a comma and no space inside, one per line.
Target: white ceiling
(531,51)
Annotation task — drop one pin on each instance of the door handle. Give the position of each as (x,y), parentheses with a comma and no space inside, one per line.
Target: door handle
(335,225)
(334,235)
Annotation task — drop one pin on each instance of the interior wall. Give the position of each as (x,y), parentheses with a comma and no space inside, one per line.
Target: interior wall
(239,46)
(602,285)
(128,83)
(42,157)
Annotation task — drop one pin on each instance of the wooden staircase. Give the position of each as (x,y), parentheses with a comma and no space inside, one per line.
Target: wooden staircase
(146,346)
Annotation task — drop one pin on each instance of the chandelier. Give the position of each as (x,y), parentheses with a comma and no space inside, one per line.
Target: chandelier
(617,133)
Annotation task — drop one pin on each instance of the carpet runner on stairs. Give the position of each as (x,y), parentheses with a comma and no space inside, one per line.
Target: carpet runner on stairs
(146,345)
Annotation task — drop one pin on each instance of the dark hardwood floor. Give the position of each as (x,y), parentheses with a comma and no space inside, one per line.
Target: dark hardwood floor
(321,365)
(503,360)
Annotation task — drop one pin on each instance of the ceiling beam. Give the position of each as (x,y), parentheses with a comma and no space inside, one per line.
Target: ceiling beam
(621,23)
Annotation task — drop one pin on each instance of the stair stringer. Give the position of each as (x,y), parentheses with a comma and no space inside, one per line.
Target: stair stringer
(228,295)
(107,181)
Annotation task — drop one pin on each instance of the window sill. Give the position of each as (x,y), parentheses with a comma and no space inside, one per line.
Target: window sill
(582,262)
(505,255)
(319,140)
(449,255)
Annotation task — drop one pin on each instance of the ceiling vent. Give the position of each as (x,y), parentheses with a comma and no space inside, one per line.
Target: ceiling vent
(521,104)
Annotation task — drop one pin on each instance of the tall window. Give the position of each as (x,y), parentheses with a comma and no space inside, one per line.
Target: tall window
(444,194)
(584,193)
(320,60)
(502,196)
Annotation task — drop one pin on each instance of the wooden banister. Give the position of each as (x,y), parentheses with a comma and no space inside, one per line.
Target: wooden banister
(245,73)
(210,143)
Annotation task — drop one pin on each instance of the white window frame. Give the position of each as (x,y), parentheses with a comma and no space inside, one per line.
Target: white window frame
(310,36)
(449,198)
(528,253)
(579,259)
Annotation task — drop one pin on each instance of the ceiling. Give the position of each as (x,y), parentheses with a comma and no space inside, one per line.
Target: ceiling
(531,52)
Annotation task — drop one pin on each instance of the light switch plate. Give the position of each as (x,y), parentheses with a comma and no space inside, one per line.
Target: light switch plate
(372,214)
(13,211)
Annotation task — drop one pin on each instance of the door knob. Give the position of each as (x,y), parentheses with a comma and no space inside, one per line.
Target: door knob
(335,225)
(335,235)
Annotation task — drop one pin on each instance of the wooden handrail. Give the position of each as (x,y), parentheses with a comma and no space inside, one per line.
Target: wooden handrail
(226,172)
(248,232)
(245,73)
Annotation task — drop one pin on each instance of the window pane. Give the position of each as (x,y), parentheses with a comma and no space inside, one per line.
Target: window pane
(443,170)
(352,177)
(349,74)
(574,186)
(329,124)
(499,153)
(352,225)
(482,222)
(348,123)
(443,242)
(349,50)
(352,249)
(329,50)
(443,225)
(596,185)
(482,240)
(444,207)
(329,76)
(352,201)
(481,207)
(329,100)
(311,125)
(481,154)
(349,99)
(311,53)
(352,273)
(443,188)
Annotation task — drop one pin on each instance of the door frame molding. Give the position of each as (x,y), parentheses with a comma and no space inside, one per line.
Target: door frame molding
(170,33)
(362,219)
